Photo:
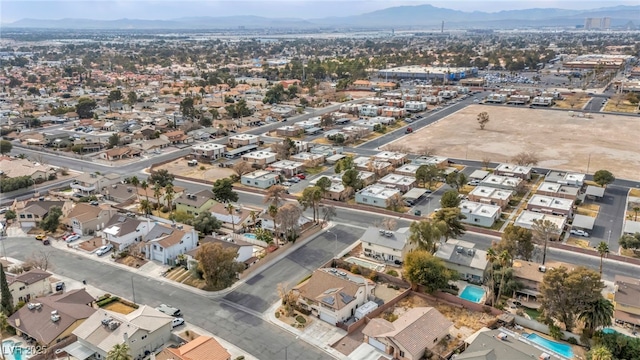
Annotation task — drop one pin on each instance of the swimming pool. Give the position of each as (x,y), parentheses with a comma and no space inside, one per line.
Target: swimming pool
(365,263)
(250,235)
(558,348)
(608,331)
(472,293)
(14,351)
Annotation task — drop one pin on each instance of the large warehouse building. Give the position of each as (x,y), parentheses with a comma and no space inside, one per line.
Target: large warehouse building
(417,72)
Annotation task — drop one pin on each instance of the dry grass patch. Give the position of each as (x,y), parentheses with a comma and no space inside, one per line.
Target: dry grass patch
(586,212)
(624,106)
(629,253)
(322,140)
(577,100)
(578,242)
(634,192)
(119,307)
(590,207)
(461,317)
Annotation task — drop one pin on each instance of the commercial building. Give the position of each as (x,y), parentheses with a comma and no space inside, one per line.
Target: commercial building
(208,151)
(417,72)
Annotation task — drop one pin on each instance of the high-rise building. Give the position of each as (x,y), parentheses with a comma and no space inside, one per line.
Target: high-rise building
(597,23)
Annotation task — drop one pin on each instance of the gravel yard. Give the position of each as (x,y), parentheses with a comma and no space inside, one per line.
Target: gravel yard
(561,141)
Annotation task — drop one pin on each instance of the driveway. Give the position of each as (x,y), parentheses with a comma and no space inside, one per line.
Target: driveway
(610,219)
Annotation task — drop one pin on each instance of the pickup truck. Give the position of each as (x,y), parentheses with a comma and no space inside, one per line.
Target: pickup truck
(168,309)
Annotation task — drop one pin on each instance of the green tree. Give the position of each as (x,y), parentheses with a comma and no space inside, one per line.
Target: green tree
(6,302)
(145,206)
(119,352)
(344,164)
(449,221)
(263,235)
(566,294)
(10,215)
(161,177)
(114,140)
(596,314)
(218,265)
(450,199)
(425,234)
(5,147)
(491,258)
(310,198)
(205,223)
(51,222)
(186,107)
(543,231)
(620,345)
(505,262)
(422,268)
(324,183)
(427,174)
(628,241)
(274,95)
(132,98)
(169,194)
(518,241)
(223,191)
(456,180)
(603,249)
(351,179)
(4,325)
(85,107)
(603,177)
(599,353)
(114,95)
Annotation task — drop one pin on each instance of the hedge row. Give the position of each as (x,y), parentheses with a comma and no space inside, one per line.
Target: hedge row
(107,301)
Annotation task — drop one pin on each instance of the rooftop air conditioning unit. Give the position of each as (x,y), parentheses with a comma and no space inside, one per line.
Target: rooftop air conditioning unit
(106,321)
(542,268)
(55,318)
(471,252)
(179,227)
(502,336)
(459,249)
(114,325)
(31,306)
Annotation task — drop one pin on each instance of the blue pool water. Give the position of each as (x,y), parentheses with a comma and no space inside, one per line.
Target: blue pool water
(472,293)
(13,351)
(608,331)
(250,235)
(556,347)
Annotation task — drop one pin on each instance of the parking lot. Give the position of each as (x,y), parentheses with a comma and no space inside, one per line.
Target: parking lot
(560,141)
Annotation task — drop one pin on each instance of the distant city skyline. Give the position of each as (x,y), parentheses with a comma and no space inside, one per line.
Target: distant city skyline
(13,10)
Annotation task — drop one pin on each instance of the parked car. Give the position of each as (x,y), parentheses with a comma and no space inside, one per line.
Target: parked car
(68,235)
(177,322)
(286,183)
(301,176)
(59,286)
(473,183)
(169,310)
(72,238)
(41,237)
(46,242)
(294,180)
(578,232)
(4,210)
(104,249)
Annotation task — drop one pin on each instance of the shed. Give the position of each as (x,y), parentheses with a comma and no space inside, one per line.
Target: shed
(631,227)
(365,309)
(335,158)
(583,222)
(479,174)
(594,192)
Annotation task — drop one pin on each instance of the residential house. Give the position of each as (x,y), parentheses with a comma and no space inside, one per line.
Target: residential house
(492,196)
(558,191)
(565,178)
(496,98)
(31,284)
(526,219)
(530,275)
(411,335)
(145,331)
(56,139)
(463,257)
(240,217)
(326,150)
(151,145)
(522,172)
(308,159)
(289,131)
(123,231)
(120,193)
(52,318)
(150,194)
(241,140)
(119,153)
(626,301)
(333,295)
(488,344)
(501,182)
(400,182)
(243,249)
(392,111)
(176,137)
(440,162)
(369,110)
(550,205)
(200,348)
(287,168)
(395,158)
(479,214)
(13,168)
(376,195)
(93,183)
(165,243)
(195,203)
(260,179)
(87,219)
(364,163)
(31,213)
(407,170)
(386,245)
(260,158)
(209,151)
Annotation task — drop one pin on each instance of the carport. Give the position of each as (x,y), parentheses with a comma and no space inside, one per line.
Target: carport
(413,195)
(631,227)
(79,351)
(583,222)
(594,192)
(479,174)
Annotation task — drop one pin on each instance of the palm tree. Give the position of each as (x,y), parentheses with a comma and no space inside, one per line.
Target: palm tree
(135,182)
(144,186)
(275,195)
(603,249)
(157,193)
(491,257)
(636,210)
(505,261)
(597,314)
(273,212)
(145,206)
(600,353)
(168,196)
(253,215)
(230,209)
(119,352)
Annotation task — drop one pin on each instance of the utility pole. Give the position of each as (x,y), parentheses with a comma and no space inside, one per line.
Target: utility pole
(133,291)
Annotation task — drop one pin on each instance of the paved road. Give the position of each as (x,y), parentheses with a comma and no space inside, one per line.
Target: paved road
(610,219)
(250,333)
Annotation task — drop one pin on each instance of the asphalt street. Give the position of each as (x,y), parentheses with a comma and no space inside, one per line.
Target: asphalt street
(609,222)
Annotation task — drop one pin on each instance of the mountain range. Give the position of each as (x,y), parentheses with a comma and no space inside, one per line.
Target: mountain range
(400,17)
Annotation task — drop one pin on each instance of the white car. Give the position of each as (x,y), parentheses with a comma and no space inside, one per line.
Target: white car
(579,232)
(286,183)
(473,183)
(177,322)
(72,238)
(104,249)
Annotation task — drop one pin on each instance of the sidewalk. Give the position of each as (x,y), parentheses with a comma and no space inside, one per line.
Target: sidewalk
(318,333)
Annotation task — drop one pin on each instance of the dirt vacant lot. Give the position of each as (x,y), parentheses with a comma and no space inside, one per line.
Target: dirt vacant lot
(561,141)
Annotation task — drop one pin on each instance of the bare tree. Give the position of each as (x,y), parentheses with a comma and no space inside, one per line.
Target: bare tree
(242,167)
(525,158)
(328,213)
(386,223)
(288,298)
(427,151)
(38,260)
(288,218)
(485,162)
(483,119)
(397,148)
(543,231)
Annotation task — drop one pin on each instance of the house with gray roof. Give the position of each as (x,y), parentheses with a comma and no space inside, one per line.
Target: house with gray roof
(408,338)
(123,231)
(502,344)
(386,245)
(463,257)
(33,212)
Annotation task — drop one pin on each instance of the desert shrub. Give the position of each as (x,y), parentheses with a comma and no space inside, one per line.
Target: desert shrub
(301,319)
(105,296)
(392,272)
(572,341)
(355,269)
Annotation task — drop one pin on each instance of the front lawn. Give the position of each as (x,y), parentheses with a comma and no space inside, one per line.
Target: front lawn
(533,313)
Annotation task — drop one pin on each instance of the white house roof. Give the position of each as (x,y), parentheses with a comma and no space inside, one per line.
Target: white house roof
(396,240)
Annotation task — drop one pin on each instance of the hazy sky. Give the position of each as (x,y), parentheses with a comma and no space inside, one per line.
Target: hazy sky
(12,10)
